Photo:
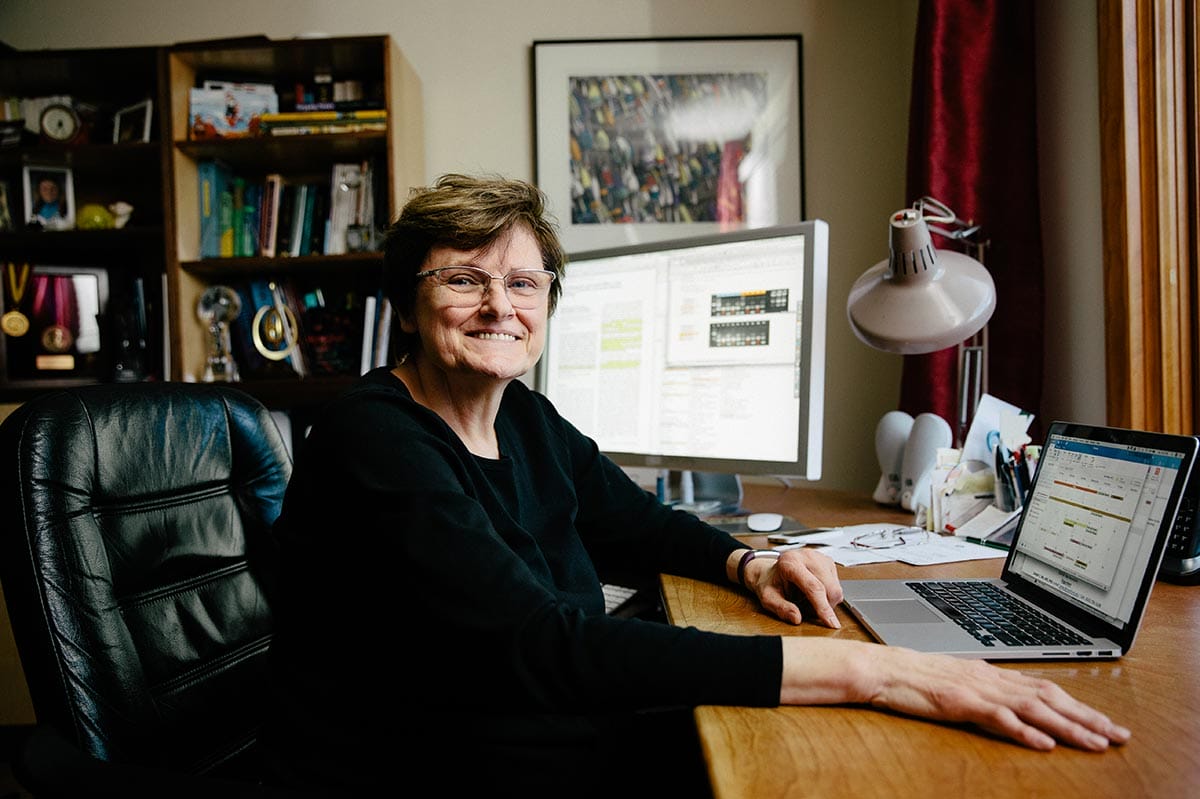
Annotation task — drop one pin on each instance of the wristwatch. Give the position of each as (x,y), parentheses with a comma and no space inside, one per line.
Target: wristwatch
(750,555)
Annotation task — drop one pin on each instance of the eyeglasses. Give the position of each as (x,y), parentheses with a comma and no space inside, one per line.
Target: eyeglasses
(886,539)
(526,288)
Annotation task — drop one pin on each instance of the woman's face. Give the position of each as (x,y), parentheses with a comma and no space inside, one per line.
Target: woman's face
(491,338)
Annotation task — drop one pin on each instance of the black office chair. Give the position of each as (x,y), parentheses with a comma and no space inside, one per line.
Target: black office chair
(137,567)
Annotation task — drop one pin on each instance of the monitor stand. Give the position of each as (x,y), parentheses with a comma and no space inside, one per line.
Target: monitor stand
(707,493)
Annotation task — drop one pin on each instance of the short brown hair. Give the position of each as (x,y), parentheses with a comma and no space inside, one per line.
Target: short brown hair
(463,212)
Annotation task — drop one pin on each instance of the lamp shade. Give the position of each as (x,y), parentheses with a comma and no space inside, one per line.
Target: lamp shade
(920,299)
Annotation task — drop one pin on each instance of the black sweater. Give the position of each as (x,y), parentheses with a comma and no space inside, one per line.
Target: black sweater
(432,596)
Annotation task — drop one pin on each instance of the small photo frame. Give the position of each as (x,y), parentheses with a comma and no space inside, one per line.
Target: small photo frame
(132,123)
(49,197)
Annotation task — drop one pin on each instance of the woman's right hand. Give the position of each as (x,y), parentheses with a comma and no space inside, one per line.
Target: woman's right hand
(1032,711)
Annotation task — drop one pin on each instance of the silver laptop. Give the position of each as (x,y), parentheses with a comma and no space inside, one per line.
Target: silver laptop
(1083,559)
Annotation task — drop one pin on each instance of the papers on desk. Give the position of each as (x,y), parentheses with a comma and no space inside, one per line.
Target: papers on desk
(918,549)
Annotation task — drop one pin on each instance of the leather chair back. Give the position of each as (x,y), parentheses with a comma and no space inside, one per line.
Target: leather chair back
(137,565)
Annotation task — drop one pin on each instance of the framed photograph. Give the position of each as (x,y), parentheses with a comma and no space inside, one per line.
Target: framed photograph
(132,123)
(49,197)
(653,139)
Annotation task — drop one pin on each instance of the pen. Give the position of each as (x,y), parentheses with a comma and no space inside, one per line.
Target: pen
(1005,491)
(983,542)
(798,544)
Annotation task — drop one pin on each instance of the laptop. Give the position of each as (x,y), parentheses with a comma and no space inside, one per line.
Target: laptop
(1084,557)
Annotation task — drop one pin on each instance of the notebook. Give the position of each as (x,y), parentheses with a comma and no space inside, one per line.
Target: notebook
(1085,554)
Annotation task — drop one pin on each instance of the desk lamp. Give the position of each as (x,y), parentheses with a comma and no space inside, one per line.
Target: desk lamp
(920,300)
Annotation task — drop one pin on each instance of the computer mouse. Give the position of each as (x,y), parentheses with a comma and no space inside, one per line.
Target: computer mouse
(764,522)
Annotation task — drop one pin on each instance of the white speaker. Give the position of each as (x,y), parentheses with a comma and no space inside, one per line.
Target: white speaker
(929,433)
(891,434)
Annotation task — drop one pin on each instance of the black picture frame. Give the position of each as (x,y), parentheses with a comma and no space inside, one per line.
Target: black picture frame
(645,139)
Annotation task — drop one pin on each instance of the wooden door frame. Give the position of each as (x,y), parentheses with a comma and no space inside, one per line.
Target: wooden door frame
(1151,203)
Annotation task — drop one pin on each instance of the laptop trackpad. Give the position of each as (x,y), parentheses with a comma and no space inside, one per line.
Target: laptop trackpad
(899,611)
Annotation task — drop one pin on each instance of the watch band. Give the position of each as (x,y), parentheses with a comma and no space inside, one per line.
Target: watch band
(750,555)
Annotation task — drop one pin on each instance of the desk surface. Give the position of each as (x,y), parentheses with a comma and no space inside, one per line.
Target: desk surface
(849,751)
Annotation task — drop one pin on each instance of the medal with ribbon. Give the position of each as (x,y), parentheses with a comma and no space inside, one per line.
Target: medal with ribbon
(53,299)
(13,322)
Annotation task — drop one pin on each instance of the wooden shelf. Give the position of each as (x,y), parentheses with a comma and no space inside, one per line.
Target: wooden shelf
(396,156)
(159,249)
(262,151)
(97,83)
(368,263)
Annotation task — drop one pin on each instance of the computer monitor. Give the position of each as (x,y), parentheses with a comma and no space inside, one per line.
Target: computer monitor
(702,354)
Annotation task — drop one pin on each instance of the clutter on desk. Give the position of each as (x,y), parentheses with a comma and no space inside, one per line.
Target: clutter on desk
(883,542)
(946,487)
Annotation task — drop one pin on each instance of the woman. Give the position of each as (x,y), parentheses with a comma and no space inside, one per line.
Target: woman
(444,511)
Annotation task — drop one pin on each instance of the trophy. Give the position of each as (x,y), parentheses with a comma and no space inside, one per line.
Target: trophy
(218,306)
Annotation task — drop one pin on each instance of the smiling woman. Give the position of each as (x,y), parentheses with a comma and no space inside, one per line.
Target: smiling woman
(487,522)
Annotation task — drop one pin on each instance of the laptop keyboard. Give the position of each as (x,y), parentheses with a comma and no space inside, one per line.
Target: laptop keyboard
(615,596)
(990,615)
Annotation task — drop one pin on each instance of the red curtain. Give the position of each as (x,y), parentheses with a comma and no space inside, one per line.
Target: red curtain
(973,146)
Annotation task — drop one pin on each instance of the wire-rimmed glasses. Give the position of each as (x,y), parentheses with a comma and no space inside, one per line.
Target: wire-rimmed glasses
(892,537)
(467,285)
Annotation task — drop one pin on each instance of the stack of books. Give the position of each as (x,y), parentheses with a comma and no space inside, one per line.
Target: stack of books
(302,123)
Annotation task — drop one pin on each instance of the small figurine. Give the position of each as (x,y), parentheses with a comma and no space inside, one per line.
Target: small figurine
(121,211)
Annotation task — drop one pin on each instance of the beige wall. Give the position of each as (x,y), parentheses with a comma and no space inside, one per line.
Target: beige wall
(473,59)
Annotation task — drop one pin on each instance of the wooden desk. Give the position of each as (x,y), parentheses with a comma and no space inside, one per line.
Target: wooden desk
(860,752)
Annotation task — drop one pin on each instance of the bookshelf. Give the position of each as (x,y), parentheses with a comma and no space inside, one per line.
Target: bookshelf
(114,153)
(136,145)
(294,69)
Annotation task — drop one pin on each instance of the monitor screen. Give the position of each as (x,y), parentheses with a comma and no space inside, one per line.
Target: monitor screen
(704,354)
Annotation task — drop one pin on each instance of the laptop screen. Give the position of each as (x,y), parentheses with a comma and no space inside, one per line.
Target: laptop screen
(1092,521)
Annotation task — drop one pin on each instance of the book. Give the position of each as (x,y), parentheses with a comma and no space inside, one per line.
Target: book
(345,182)
(228,112)
(299,207)
(291,310)
(267,120)
(237,223)
(283,227)
(269,214)
(320,219)
(251,223)
(212,177)
(338,105)
(367,357)
(250,361)
(306,228)
(225,223)
(314,128)
(330,333)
